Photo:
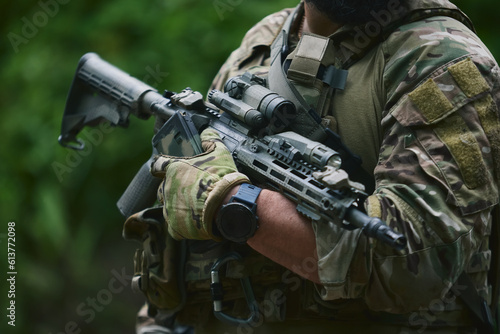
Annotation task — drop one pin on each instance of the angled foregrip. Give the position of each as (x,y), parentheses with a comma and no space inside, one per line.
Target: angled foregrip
(375,228)
(141,192)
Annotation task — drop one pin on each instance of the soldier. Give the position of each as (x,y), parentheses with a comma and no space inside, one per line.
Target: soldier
(416,95)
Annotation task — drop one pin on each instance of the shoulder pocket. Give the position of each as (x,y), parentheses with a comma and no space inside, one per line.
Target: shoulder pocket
(455,122)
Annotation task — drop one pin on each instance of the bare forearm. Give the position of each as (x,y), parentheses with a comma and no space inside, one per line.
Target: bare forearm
(284,235)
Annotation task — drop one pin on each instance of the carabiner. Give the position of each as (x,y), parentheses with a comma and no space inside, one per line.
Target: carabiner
(217,293)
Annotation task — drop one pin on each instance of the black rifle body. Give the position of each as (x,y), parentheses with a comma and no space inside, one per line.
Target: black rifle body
(286,162)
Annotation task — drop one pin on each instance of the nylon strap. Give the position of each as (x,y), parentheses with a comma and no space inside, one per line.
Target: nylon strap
(308,122)
(312,61)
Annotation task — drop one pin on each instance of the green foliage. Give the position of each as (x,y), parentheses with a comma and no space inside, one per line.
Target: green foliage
(68,241)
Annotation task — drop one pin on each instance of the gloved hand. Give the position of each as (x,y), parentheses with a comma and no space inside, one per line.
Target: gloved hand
(194,187)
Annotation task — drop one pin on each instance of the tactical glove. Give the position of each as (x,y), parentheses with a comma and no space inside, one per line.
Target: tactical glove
(194,187)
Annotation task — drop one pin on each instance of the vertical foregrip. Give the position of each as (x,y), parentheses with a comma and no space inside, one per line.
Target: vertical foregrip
(141,192)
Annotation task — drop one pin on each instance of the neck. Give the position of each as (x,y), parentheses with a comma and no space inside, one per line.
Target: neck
(316,22)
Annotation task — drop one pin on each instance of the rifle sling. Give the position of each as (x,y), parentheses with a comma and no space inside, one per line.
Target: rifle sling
(308,122)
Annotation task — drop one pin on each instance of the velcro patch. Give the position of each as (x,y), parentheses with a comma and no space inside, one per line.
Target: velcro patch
(312,47)
(430,100)
(468,77)
(374,207)
(311,52)
(464,148)
(488,115)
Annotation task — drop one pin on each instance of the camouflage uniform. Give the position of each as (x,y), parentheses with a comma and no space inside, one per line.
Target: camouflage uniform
(421,108)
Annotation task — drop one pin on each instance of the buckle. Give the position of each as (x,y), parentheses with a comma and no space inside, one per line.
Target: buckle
(217,292)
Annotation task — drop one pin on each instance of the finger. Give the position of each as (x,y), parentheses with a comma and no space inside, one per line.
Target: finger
(159,165)
(209,134)
(208,139)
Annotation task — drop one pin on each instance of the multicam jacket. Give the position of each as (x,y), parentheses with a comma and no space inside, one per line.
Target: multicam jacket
(421,108)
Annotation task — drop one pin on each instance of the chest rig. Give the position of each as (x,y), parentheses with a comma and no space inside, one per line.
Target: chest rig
(308,77)
(311,71)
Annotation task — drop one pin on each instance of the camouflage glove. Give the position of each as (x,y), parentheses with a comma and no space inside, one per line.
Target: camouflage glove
(194,187)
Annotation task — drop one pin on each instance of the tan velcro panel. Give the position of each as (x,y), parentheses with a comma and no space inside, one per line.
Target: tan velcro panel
(464,148)
(488,115)
(431,101)
(311,52)
(468,77)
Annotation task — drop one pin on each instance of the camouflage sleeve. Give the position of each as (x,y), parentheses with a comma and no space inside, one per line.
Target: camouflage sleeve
(253,53)
(437,175)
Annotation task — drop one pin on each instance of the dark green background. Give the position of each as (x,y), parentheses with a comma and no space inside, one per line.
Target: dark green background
(68,239)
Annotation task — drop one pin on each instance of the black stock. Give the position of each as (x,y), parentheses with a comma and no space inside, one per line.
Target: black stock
(118,97)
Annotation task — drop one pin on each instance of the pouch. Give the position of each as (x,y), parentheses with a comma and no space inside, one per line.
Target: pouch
(156,263)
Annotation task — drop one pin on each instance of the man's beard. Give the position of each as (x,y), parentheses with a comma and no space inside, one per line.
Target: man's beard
(349,11)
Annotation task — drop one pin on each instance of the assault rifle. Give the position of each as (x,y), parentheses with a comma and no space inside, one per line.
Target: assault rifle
(307,172)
